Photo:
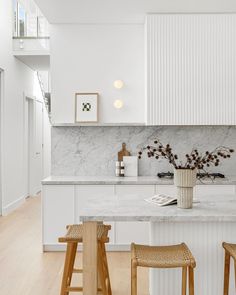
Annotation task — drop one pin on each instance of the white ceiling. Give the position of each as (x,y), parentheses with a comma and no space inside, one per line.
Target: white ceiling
(124,11)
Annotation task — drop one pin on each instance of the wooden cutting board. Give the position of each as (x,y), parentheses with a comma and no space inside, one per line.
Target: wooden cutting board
(123,152)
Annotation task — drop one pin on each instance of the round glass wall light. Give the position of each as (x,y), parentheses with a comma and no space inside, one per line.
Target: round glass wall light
(118,84)
(118,104)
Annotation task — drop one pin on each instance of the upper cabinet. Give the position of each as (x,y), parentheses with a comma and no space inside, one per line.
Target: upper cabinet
(191,69)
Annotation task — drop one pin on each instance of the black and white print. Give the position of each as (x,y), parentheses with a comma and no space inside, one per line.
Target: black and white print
(86,107)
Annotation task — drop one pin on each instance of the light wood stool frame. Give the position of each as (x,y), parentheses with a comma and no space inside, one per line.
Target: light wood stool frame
(230,251)
(103,272)
(186,269)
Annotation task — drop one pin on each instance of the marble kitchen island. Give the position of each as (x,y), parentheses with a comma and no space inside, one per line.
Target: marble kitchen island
(63,198)
(203,228)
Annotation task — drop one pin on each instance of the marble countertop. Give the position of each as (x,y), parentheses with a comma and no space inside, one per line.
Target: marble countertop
(135,208)
(152,180)
(99,124)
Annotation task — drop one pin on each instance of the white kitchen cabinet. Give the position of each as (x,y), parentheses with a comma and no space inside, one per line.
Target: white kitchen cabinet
(190,78)
(128,232)
(84,192)
(58,210)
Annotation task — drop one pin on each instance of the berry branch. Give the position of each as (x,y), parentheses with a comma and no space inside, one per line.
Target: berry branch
(194,160)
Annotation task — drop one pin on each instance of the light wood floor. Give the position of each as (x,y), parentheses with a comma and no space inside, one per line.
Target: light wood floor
(25,270)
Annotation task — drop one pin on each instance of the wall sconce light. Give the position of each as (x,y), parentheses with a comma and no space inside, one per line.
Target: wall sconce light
(118,84)
(118,104)
(21,43)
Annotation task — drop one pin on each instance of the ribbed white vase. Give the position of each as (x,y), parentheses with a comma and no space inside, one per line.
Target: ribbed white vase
(185,180)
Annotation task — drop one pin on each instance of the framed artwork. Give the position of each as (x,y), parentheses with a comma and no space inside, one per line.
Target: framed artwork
(86,107)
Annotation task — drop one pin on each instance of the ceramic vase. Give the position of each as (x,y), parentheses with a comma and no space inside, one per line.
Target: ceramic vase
(185,180)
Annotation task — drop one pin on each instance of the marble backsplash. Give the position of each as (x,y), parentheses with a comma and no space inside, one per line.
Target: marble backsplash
(89,151)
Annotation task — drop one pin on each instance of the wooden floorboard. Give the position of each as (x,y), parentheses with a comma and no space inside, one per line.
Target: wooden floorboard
(25,270)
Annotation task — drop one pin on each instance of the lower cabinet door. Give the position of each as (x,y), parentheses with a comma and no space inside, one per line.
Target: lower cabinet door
(82,195)
(128,232)
(57,212)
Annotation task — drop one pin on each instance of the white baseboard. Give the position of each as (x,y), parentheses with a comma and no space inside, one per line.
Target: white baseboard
(35,194)
(62,248)
(13,206)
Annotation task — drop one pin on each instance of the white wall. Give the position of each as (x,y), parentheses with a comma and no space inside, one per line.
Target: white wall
(88,58)
(45,77)
(18,79)
(46,145)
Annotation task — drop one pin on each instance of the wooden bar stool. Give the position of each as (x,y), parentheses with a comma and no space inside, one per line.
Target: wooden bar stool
(230,251)
(74,236)
(163,257)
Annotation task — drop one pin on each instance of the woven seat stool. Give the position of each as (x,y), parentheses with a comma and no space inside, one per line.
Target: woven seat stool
(230,251)
(74,236)
(163,257)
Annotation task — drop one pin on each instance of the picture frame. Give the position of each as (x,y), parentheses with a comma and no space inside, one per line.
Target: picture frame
(86,107)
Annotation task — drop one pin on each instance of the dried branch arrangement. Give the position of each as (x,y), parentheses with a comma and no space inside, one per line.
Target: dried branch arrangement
(194,160)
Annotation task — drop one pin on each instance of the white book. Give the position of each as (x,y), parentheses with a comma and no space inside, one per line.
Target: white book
(162,200)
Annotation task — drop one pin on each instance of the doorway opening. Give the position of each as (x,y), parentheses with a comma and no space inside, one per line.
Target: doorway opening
(33,110)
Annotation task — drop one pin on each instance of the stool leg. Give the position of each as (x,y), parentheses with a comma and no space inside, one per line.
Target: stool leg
(104,255)
(235,273)
(226,273)
(65,276)
(184,280)
(133,277)
(191,281)
(72,263)
(101,271)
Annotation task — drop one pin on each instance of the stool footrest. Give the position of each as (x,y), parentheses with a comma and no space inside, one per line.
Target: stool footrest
(77,270)
(78,289)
